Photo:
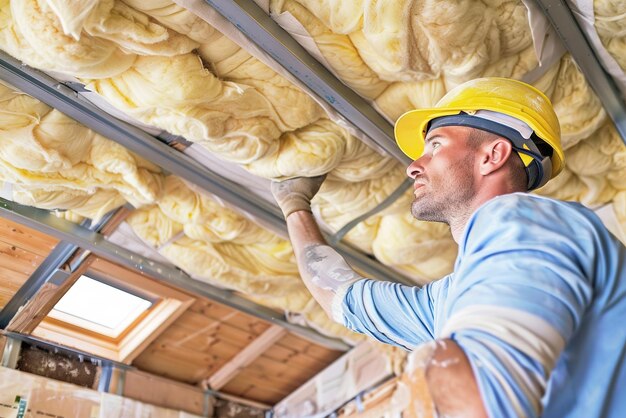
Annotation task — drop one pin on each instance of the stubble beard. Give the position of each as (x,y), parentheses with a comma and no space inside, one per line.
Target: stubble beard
(450,199)
(424,209)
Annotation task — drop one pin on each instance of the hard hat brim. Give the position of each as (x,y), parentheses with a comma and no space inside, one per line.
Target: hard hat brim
(410,129)
(410,132)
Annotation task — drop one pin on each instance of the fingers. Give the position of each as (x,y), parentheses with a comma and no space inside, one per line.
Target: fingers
(296,194)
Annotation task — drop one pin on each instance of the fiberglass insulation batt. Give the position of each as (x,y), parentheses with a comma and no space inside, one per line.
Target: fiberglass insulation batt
(165,67)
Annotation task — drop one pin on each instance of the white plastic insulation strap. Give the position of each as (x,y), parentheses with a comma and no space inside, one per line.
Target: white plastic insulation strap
(6,192)
(584,14)
(125,237)
(548,46)
(257,185)
(201,9)
(102,103)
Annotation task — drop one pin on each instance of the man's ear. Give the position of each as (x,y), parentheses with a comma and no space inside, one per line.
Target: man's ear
(494,155)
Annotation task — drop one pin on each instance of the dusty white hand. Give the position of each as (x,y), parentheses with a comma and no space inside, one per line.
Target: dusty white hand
(295,194)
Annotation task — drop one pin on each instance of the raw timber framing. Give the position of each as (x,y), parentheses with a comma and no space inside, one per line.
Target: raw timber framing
(36,309)
(48,290)
(43,274)
(244,357)
(49,269)
(44,221)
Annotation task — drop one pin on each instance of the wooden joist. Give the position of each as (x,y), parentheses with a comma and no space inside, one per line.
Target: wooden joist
(38,307)
(21,251)
(26,238)
(163,392)
(245,357)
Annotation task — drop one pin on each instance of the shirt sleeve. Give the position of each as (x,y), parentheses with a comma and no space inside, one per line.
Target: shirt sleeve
(521,289)
(390,312)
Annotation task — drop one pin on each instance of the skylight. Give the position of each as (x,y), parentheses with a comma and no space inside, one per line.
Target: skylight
(99,307)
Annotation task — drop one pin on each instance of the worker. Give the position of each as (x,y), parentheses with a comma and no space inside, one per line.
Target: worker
(532,322)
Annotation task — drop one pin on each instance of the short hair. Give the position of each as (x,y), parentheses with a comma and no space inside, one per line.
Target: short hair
(518,177)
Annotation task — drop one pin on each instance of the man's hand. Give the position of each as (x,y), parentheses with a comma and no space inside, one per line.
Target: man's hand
(295,194)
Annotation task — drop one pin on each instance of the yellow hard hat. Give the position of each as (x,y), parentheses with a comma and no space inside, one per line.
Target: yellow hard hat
(494,95)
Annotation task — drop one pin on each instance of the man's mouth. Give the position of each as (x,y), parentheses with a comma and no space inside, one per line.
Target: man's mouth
(416,187)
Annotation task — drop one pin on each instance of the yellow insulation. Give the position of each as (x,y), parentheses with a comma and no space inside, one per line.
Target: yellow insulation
(54,162)
(165,67)
(220,246)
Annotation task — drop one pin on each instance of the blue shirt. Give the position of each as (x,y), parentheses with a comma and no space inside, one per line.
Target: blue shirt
(537,301)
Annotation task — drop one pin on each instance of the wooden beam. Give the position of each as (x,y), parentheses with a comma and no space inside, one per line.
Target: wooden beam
(38,307)
(163,392)
(245,357)
(3,343)
(33,311)
(118,217)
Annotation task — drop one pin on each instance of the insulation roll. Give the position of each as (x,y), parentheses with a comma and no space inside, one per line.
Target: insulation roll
(217,245)
(54,162)
(163,66)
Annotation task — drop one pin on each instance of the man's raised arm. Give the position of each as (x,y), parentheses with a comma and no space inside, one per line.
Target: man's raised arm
(404,319)
(324,271)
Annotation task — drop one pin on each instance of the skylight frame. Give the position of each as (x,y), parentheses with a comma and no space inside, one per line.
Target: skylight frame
(75,319)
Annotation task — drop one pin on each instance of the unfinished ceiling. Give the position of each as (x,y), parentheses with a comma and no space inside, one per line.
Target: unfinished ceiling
(151,130)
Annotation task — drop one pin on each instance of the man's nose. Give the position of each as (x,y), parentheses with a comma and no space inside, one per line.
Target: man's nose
(415,169)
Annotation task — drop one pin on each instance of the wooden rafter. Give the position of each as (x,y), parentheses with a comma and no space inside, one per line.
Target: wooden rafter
(3,342)
(169,304)
(245,357)
(38,307)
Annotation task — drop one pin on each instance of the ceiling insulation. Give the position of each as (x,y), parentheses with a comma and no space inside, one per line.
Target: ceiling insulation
(165,69)
(185,77)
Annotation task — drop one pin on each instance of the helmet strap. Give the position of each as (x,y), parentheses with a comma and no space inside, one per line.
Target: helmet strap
(538,170)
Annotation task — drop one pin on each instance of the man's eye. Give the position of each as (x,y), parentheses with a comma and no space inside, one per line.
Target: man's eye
(435,145)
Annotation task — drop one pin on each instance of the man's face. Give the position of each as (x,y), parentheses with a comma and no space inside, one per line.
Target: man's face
(444,175)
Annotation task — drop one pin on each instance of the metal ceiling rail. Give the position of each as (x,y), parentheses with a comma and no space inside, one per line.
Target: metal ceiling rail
(251,20)
(68,101)
(565,24)
(82,237)
(43,273)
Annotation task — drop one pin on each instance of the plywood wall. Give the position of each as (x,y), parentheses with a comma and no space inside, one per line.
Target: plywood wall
(21,251)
